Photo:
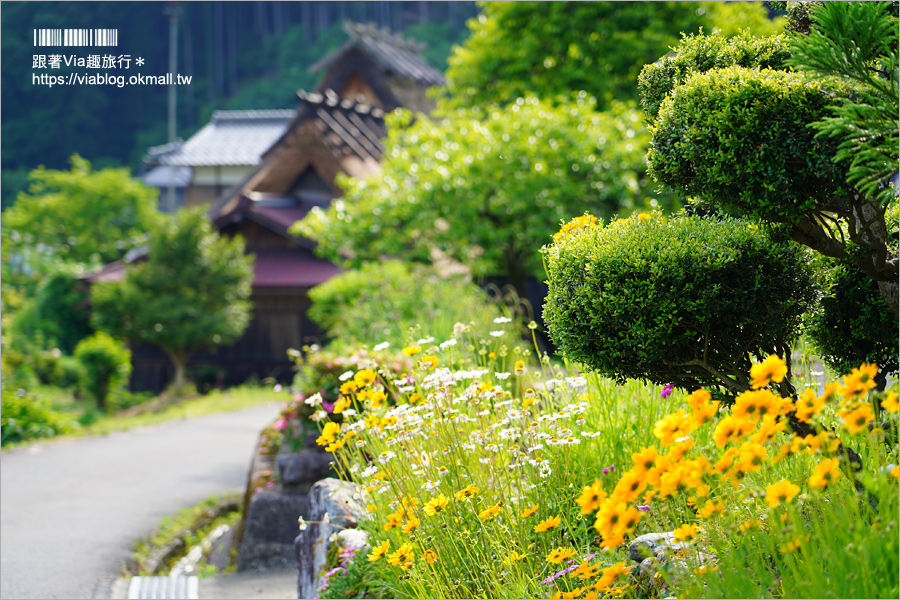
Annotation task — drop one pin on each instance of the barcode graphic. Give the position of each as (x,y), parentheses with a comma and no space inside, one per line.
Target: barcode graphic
(76,37)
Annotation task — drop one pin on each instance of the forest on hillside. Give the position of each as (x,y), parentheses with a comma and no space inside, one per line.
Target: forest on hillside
(240,55)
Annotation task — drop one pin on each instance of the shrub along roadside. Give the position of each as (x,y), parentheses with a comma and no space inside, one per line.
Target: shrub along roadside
(679,300)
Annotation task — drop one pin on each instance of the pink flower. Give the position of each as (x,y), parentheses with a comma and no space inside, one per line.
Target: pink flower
(280,424)
(327,406)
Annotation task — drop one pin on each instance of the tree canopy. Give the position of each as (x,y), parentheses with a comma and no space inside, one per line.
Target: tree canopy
(486,188)
(745,140)
(81,215)
(550,49)
(191,292)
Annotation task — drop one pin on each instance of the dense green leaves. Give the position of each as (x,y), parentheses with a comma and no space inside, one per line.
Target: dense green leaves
(80,215)
(865,53)
(701,53)
(551,49)
(486,189)
(683,300)
(381,302)
(742,137)
(107,365)
(191,292)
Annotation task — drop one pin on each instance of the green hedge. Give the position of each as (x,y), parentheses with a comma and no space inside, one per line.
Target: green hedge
(107,366)
(641,298)
(701,53)
(742,137)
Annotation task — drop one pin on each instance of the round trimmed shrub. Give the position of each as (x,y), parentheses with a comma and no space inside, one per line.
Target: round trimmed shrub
(701,53)
(742,137)
(683,300)
(107,365)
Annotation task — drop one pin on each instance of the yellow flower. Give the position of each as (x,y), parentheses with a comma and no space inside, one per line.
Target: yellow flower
(751,457)
(704,570)
(341,405)
(672,427)
(585,571)
(403,557)
(513,557)
(330,430)
(560,554)
(686,533)
(770,370)
(467,492)
(702,406)
(348,387)
(860,381)
(547,524)
(591,497)
(610,574)
(394,520)
(520,367)
(415,398)
(430,556)
(335,446)
(824,473)
(755,404)
(436,505)
(748,525)
(365,377)
(379,550)
(629,487)
(712,507)
(489,513)
(412,350)
(794,544)
(583,222)
(428,362)
(782,491)
(808,405)
(768,428)
(890,403)
(857,417)
(645,459)
(731,428)
(529,511)
(411,524)
(895,472)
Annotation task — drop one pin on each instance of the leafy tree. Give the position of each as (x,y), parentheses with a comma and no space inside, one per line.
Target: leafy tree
(745,141)
(486,189)
(191,292)
(57,315)
(80,215)
(553,48)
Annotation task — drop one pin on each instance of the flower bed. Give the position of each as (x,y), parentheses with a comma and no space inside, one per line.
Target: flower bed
(485,475)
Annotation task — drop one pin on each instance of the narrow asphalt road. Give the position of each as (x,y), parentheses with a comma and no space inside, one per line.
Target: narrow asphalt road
(70,511)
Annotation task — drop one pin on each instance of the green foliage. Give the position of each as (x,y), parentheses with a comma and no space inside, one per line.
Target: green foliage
(551,49)
(681,300)
(701,53)
(80,215)
(191,292)
(25,418)
(382,301)
(486,188)
(107,365)
(742,137)
(57,315)
(858,42)
(852,324)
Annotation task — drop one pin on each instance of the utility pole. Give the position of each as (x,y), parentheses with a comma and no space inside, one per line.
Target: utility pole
(173,11)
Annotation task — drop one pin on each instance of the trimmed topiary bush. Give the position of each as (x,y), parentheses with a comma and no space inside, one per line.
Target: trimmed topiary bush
(107,365)
(701,53)
(682,300)
(852,324)
(742,137)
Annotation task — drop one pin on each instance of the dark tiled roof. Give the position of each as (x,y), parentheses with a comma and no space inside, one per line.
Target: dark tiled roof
(391,52)
(347,126)
(231,138)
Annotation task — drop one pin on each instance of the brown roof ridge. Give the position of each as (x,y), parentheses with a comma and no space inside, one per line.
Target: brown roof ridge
(330,99)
